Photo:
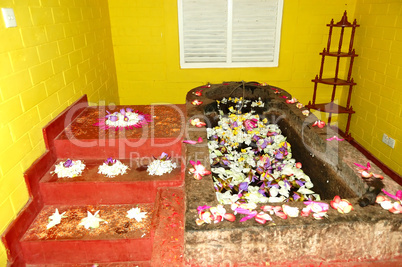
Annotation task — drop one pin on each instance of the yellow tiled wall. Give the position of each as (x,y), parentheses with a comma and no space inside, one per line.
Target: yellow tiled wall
(146,46)
(377,97)
(60,50)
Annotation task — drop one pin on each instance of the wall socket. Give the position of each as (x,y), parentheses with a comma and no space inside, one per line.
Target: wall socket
(388,141)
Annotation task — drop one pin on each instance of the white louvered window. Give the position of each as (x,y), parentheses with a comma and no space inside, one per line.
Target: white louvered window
(229,33)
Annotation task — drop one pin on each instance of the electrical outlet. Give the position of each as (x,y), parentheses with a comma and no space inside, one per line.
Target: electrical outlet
(388,141)
(391,142)
(9,17)
(385,139)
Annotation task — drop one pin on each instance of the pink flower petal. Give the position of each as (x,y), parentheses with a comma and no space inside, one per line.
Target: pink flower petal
(191,142)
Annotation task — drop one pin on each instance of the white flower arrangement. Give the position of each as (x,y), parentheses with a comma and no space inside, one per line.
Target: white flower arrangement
(69,168)
(238,168)
(92,220)
(137,214)
(124,118)
(258,103)
(161,165)
(55,219)
(112,167)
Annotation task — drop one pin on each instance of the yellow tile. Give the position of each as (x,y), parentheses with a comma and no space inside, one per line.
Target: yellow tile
(90,76)
(41,16)
(83,67)
(24,123)
(33,96)
(35,134)
(5,66)
(13,37)
(32,155)
(41,72)
(386,20)
(60,15)
(54,83)
(11,180)
(75,13)
(47,106)
(34,2)
(75,57)
(66,92)
(66,46)
(70,75)
(3,255)
(10,109)
(79,42)
(24,58)
(48,51)
(33,36)
(54,32)
(19,197)
(5,137)
(49,3)
(61,64)
(7,213)
(13,155)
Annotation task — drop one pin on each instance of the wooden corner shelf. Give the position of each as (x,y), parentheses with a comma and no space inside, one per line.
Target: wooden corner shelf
(331,108)
(335,81)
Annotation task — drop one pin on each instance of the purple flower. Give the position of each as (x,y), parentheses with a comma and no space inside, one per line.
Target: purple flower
(110,161)
(113,118)
(267,163)
(264,144)
(141,117)
(259,170)
(255,138)
(300,183)
(125,118)
(68,163)
(262,192)
(296,196)
(129,110)
(243,186)
(164,156)
(279,156)
(226,162)
(122,111)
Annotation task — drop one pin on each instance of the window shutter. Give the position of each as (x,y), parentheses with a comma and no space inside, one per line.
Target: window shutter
(254,30)
(204,32)
(229,33)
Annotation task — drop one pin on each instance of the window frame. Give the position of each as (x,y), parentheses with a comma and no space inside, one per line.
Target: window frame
(229,24)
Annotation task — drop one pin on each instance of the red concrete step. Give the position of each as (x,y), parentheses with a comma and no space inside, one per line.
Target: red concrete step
(82,138)
(136,186)
(119,240)
(109,264)
(168,247)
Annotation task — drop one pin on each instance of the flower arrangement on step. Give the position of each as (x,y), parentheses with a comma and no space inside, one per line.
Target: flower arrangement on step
(55,219)
(161,165)
(125,118)
(69,168)
(92,221)
(112,167)
(137,214)
(251,161)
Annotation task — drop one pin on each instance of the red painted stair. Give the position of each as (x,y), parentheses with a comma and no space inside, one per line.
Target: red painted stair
(121,241)
(93,188)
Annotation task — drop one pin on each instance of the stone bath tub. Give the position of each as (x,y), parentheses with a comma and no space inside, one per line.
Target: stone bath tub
(369,233)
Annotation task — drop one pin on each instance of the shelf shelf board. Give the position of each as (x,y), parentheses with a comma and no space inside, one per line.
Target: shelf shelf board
(333,81)
(338,54)
(330,108)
